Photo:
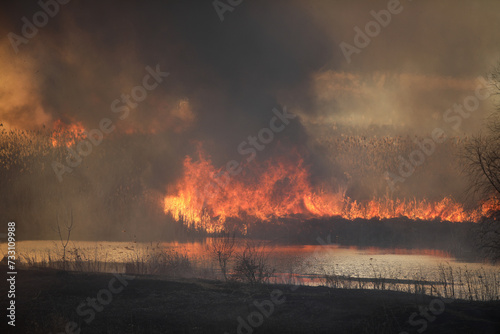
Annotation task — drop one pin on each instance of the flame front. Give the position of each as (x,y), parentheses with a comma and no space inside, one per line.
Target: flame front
(67,134)
(205,199)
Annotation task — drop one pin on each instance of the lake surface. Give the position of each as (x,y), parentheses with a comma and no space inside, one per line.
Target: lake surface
(305,264)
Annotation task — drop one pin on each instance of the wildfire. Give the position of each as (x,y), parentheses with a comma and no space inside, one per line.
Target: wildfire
(67,134)
(281,188)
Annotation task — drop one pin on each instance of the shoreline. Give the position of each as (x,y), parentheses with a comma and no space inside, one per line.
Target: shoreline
(48,300)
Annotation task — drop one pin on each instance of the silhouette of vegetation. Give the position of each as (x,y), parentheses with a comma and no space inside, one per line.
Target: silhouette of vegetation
(64,239)
(222,249)
(482,166)
(252,264)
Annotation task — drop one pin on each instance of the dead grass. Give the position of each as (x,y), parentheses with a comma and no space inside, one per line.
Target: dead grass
(457,283)
(251,265)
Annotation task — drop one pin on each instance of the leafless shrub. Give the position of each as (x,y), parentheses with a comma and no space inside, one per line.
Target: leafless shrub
(222,249)
(252,264)
(64,239)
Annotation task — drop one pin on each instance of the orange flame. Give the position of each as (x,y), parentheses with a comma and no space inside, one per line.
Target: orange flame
(280,189)
(67,134)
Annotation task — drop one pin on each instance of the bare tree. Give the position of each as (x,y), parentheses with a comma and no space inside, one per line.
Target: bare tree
(481,164)
(222,248)
(488,236)
(65,240)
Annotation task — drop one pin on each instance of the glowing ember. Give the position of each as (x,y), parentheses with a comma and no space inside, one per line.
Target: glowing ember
(281,188)
(67,134)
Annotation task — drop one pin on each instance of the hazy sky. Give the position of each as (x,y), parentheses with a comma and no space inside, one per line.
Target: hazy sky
(226,76)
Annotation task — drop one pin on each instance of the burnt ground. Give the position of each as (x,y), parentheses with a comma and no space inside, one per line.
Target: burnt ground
(47,302)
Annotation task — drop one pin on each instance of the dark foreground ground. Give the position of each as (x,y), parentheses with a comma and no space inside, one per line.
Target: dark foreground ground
(48,301)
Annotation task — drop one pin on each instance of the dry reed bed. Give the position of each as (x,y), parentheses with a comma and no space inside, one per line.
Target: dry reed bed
(461,282)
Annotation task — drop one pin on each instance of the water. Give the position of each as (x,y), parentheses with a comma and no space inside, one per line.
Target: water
(306,264)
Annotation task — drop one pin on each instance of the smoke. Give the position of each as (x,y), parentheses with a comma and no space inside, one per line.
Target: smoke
(226,77)
(232,73)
